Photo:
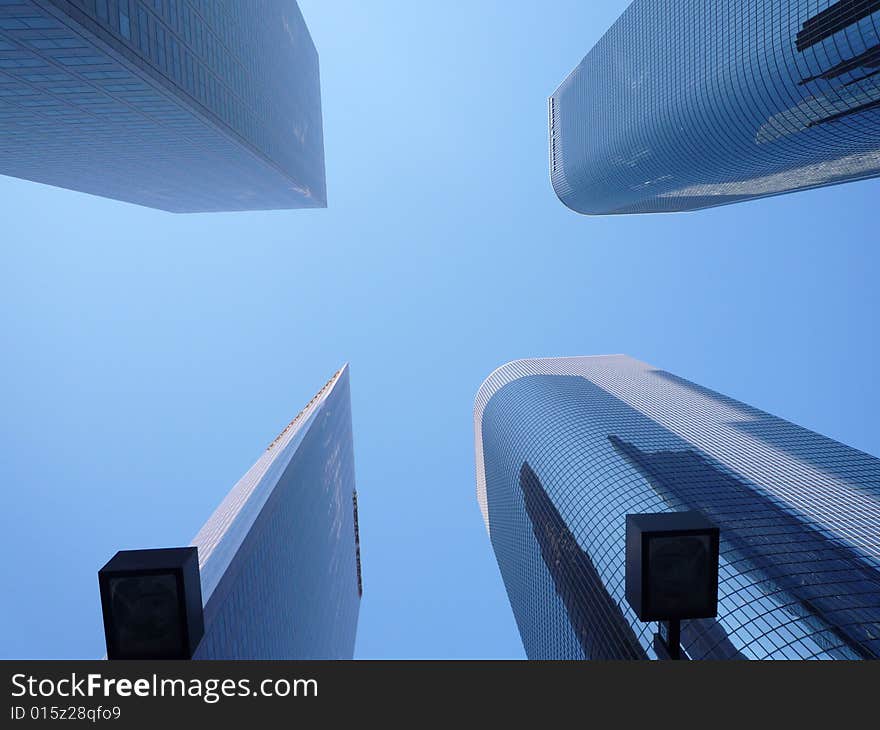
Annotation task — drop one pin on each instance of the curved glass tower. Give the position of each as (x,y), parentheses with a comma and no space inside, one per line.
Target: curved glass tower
(688,104)
(566,447)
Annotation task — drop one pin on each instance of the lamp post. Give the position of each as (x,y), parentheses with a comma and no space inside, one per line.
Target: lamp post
(671,573)
(152,604)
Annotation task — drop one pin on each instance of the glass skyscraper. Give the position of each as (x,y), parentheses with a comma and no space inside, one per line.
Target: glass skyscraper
(688,104)
(566,447)
(280,557)
(183,105)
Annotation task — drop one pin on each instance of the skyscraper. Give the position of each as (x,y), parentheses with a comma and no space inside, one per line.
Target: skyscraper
(689,104)
(183,105)
(280,557)
(566,447)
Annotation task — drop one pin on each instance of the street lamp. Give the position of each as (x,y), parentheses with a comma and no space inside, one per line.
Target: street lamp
(671,572)
(152,604)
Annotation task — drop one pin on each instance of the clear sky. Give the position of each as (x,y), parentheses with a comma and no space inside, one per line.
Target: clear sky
(149,358)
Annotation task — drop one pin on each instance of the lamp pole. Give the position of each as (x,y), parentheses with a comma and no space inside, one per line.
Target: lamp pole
(671,573)
(667,640)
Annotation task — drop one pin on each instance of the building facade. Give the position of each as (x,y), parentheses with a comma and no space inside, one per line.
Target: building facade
(182,105)
(567,447)
(280,557)
(687,104)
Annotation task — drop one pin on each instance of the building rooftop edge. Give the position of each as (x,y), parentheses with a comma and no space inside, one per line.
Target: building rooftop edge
(234,516)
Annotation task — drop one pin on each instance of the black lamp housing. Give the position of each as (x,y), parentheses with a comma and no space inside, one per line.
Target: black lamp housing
(672,566)
(152,604)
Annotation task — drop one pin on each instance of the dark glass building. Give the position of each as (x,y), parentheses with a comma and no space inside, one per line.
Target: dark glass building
(183,105)
(567,447)
(280,557)
(688,104)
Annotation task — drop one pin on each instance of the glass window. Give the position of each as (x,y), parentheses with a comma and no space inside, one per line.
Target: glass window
(124,20)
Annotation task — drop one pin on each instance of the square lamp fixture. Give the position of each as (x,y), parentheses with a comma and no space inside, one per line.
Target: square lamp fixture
(672,566)
(152,604)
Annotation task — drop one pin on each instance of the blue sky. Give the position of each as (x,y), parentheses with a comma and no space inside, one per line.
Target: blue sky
(149,358)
